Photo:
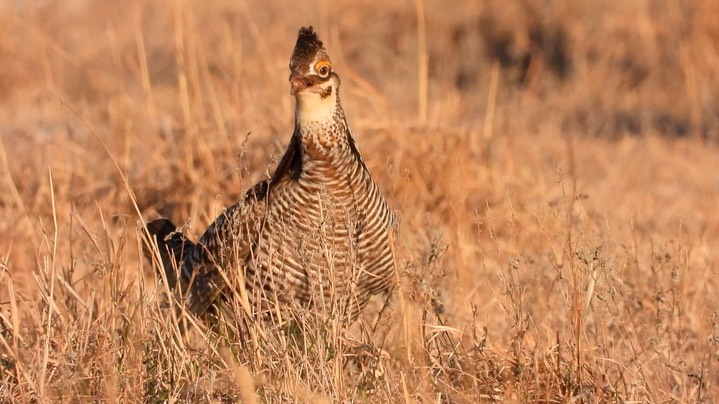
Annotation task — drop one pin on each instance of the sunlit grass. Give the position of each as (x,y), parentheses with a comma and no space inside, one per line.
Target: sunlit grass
(553,166)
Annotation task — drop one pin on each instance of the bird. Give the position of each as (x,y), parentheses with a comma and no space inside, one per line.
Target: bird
(318,233)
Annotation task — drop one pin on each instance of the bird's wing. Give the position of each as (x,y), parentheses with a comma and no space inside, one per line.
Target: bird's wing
(224,248)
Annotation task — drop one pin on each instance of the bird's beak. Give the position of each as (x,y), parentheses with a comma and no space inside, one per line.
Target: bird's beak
(298,83)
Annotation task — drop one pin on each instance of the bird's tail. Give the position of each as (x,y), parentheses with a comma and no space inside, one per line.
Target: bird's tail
(173,248)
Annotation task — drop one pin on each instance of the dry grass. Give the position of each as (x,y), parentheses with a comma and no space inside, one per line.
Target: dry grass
(554,164)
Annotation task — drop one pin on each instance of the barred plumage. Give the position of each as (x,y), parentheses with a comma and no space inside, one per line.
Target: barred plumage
(317,233)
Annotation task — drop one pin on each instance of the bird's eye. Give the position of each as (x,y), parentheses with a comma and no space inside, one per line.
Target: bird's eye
(323,68)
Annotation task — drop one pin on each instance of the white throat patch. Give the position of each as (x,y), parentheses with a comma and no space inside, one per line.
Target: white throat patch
(311,107)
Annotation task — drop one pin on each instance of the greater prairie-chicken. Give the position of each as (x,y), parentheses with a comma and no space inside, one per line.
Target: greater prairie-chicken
(317,233)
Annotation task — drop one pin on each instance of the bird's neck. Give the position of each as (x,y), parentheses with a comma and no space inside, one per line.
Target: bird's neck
(321,126)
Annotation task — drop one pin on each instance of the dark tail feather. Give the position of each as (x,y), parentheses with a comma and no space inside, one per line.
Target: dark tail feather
(173,248)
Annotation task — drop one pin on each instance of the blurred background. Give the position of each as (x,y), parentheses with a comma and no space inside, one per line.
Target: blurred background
(590,68)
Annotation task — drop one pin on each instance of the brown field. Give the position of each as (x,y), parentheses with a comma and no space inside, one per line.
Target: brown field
(555,165)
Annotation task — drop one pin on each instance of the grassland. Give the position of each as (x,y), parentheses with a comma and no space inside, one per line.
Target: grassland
(554,163)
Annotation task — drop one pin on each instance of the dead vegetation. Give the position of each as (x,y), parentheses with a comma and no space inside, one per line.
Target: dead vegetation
(553,164)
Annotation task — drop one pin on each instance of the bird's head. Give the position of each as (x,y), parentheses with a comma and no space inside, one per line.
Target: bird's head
(313,83)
